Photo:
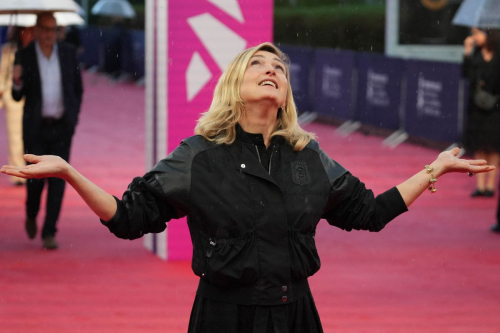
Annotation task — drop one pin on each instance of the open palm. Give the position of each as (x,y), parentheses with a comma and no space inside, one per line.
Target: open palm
(452,163)
(42,167)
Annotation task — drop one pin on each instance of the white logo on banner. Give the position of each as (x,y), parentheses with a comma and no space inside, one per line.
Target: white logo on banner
(376,88)
(231,7)
(197,75)
(222,44)
(428,97)
(331,86)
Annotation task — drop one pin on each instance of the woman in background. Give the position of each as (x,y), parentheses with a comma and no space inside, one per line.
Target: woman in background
(481,67)
(18,38)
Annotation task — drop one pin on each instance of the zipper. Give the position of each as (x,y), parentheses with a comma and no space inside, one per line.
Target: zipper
(270,158)
(208,254)
(258,154)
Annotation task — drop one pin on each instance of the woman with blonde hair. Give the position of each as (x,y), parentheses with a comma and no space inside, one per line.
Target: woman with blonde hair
(253,186)
(17,38)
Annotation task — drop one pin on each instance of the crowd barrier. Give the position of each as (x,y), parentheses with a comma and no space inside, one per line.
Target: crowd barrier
(111,49)
(419,98)
(114,50)
(302,58)
(379,85)
(3,35)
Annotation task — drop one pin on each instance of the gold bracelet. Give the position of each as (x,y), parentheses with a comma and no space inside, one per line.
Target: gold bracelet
(432,188)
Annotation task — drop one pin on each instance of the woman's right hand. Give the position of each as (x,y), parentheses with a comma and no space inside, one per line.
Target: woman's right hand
(42,167)
(17,74)
(468,45)
(102,203)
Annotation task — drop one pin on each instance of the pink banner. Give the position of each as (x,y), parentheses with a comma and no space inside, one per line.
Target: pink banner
(203,37)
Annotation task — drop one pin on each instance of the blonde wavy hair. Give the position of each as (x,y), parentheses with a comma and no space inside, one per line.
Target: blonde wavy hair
(218,124)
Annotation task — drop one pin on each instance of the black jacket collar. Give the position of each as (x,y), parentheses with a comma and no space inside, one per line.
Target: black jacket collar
(255,139)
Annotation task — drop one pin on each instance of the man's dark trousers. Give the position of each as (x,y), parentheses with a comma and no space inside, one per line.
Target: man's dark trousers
(55,139)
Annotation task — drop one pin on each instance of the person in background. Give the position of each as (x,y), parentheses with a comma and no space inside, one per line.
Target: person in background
(114,48)
(481,66)
(46,73)
(254,186)
(72,36)
(17,38)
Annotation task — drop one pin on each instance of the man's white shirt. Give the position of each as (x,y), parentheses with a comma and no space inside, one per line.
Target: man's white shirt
(51,83)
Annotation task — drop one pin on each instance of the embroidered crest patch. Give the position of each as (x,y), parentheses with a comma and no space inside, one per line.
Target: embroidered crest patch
(300,173)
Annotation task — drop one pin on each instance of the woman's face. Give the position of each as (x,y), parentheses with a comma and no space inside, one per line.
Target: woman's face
(479,37)
(264,80)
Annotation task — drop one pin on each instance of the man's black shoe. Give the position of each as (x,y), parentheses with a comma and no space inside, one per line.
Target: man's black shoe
(495,228)
(49,243)
(30,227)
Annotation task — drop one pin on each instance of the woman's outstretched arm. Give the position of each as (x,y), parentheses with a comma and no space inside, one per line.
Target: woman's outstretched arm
(101,202)
(446,162)
(352,206)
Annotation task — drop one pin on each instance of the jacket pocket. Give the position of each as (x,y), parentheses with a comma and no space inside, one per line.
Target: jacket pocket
(304,257)
(232,261)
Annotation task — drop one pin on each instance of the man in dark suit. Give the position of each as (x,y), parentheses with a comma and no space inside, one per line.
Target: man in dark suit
(47,74)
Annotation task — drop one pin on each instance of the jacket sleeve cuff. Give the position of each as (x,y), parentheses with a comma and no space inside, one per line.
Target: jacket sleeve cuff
(115,220)
(390,204)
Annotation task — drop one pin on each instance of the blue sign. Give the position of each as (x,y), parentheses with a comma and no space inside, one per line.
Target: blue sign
(113,48)
(333,83)
(300,68)
(379,90)
(3,35)
(432,100)
(91,38)
(138,53)
(126,53)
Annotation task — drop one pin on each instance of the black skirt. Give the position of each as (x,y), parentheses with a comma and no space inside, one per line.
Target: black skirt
(482,130)
(209,316)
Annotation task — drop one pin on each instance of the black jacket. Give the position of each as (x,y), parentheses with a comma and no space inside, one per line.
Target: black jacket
(478,71)
(32,88)
(252,230)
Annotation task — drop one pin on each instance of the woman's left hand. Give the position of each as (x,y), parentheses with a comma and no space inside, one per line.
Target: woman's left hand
(448,162)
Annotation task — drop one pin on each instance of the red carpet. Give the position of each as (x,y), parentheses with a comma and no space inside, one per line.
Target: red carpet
(434,269)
